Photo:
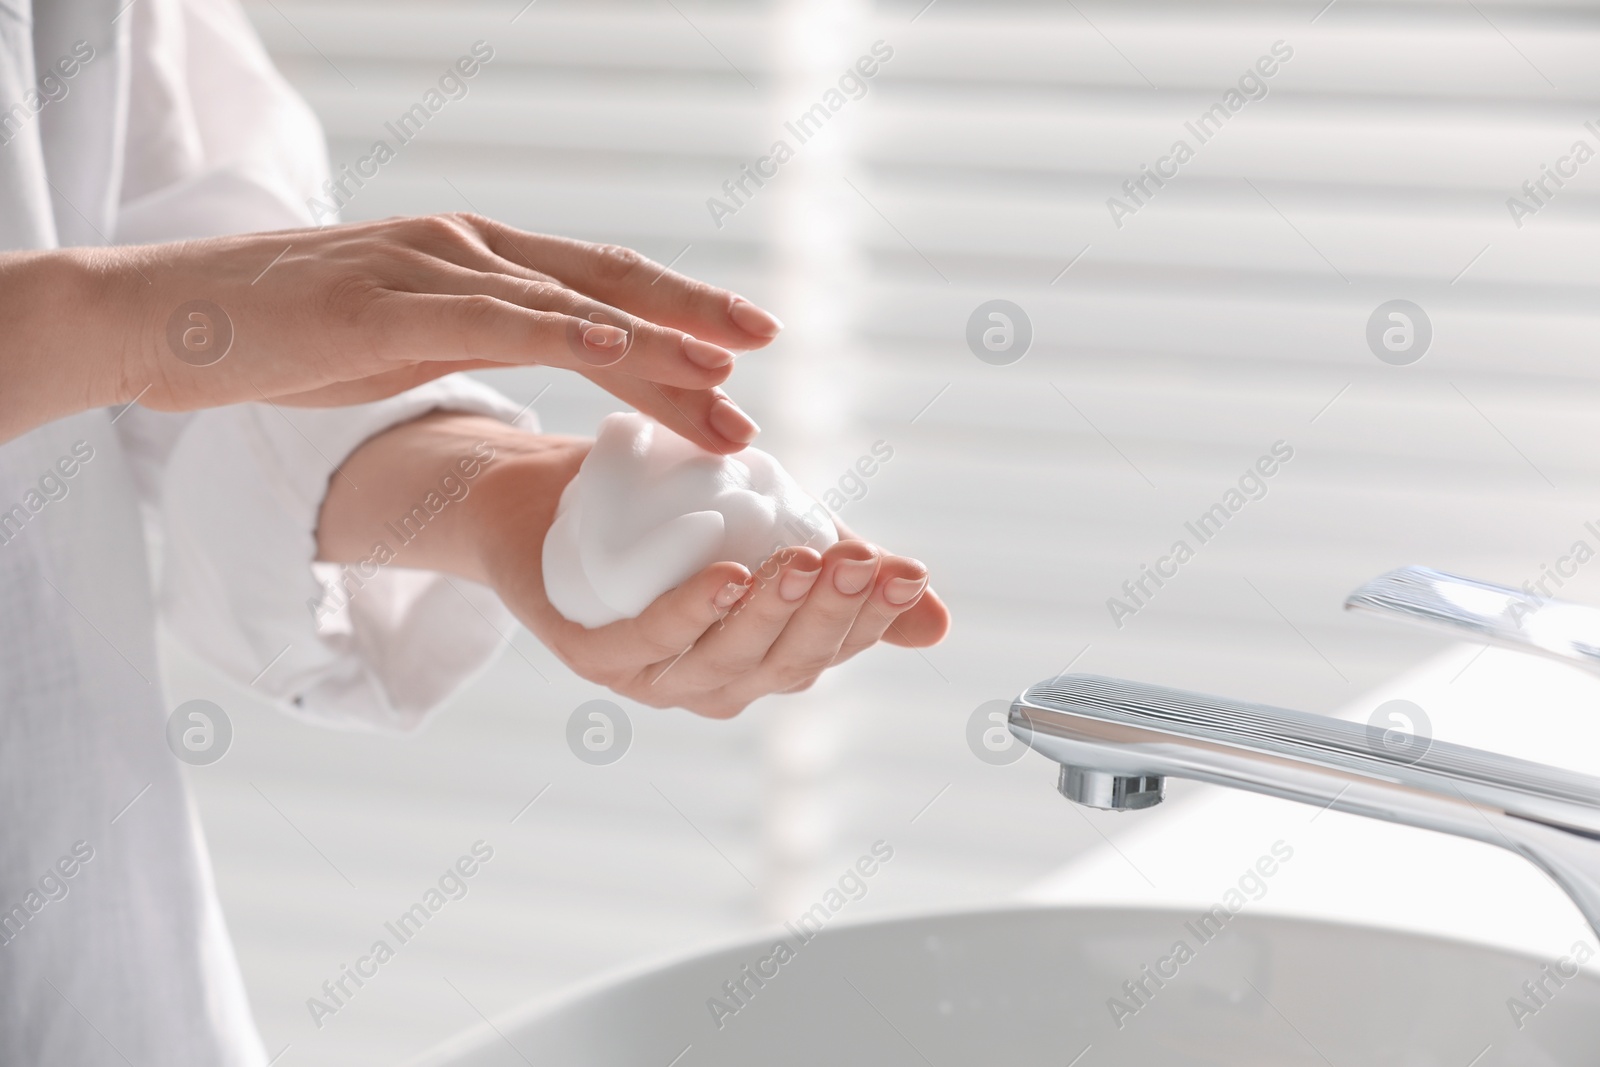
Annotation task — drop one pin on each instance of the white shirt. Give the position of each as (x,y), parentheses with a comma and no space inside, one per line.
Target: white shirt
(112,943)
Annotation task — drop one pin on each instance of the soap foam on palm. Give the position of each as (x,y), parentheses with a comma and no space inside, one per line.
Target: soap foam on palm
(649,510)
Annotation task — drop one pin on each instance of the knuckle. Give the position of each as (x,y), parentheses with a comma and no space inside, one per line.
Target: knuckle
(477,310)
(531,294)
(616,263)
(552,296)
(805,669)
(703,293)
(438,230)
(350,294)
(357,303)
(660,646)
(731,664)
(838,613)
(407,260)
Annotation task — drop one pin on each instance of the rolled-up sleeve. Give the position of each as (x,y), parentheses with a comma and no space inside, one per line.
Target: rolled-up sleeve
(237,505)
(219,143)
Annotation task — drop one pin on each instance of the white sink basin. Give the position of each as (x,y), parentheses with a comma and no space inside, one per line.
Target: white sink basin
(1030,986)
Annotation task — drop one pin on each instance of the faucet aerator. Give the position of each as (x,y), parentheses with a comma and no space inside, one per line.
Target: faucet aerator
(1110,792)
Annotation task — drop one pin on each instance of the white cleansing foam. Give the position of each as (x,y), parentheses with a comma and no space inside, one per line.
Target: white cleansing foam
(649,509)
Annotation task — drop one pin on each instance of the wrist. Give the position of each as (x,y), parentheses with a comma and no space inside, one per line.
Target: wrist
(515,503)
(447,492)
(58,357)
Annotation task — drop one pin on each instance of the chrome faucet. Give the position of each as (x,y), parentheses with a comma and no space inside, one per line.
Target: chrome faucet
(1118,741)
(1527,619)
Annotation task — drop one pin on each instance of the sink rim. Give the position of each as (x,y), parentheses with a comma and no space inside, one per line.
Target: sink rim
(549,1004)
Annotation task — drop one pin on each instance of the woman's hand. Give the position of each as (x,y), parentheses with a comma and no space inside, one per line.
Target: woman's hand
(715,643)
(348,314)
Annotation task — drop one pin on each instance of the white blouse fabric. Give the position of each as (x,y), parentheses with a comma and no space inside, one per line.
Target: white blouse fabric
(171,124)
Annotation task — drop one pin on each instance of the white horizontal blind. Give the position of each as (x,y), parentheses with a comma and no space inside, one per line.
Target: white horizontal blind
(1170,353)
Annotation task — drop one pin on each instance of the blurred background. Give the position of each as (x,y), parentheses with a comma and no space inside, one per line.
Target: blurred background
(1169,346)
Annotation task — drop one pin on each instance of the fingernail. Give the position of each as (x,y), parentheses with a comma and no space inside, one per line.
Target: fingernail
(732,423)
(705,354)
(797,584)
(851,576)
(752,319)
(901,591)
(601,337)
(729,596)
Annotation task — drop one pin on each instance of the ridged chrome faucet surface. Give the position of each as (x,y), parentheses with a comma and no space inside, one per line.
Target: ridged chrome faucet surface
(1527,619)
(1117,741)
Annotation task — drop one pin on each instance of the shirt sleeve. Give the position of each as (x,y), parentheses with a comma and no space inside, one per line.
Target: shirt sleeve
(217,142)
(371,645)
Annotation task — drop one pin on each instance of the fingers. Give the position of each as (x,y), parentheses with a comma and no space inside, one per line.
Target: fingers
(781,636)
(598,335)
(705,416)
(509,311)
(813,637)
(803,614)
(725,638)
(678,618)
(432,327)
(738,643)
(625,278)
(925,623)
(901,582)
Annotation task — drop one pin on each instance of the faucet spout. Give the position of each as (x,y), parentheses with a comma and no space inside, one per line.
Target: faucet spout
(1117,741)
(1499,615)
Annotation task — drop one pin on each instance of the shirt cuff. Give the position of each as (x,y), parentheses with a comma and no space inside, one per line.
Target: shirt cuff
(243,490)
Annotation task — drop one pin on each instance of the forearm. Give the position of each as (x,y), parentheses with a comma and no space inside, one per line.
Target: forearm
(59,346)
(435,492)
(341,315)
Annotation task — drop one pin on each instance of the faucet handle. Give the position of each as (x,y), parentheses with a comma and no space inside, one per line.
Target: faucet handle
(1497,614)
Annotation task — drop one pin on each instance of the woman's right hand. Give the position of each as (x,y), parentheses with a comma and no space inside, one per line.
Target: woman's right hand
(347,314)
